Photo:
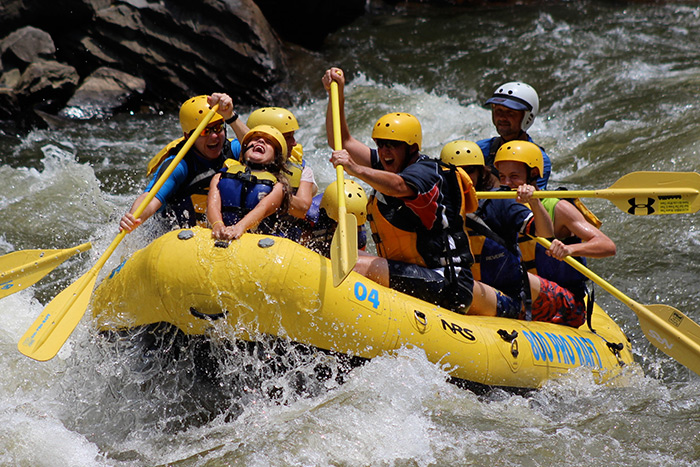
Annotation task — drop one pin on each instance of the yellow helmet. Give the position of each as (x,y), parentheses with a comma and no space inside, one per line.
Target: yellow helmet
(355,201)
(192,111)
(461,153)
(268,131)
(399,126)
(280,118)
(521,151)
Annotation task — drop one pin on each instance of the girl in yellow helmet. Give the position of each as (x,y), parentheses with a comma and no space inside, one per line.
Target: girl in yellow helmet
(247,192)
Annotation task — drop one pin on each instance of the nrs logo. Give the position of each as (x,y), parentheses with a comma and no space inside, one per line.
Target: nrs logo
(458,330)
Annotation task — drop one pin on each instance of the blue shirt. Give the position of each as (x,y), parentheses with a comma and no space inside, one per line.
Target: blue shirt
(181,171)
(489,156)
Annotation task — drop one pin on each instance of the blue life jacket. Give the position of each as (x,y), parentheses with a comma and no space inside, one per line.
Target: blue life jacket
(241,189)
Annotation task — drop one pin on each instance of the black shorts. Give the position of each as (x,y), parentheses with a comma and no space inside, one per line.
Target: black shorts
(432,285)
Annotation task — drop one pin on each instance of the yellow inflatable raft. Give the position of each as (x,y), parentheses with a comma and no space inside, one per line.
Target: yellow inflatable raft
(261,285)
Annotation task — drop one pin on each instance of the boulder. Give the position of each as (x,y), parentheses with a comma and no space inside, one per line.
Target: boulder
(24,46)
(167,50)
(47,83)
(102,93)
(183,49)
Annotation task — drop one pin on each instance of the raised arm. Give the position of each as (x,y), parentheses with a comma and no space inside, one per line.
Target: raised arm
(543,223)
(385,182)
(359,151)
(227,111)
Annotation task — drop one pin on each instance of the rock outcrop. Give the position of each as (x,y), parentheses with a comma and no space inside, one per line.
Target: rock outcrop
(82,59)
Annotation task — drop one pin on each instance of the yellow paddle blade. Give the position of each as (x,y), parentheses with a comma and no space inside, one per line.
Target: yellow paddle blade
(344,249)
(666,193)
(51,329)
(637,193)
(344,243)
(677,336)
(667,329)
(20,269)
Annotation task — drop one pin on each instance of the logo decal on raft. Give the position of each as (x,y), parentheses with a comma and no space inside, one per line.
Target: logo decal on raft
(458,330)
(566,349)
(371,295)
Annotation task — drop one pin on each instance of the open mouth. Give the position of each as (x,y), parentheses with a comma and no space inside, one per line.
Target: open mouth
(259,148)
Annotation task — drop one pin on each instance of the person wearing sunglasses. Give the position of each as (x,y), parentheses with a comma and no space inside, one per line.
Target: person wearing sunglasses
(415,213)
(182,200)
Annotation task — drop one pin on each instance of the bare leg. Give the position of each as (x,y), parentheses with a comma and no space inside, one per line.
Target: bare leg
(374,268)
(534,286)
(484,301)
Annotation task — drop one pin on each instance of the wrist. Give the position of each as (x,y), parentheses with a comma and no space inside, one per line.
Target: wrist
(233,118)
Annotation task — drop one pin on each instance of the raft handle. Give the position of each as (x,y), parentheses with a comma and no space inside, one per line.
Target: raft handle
(208,317)
(506,336)
(221,244)
(512,338)
(615,348)
(420,317)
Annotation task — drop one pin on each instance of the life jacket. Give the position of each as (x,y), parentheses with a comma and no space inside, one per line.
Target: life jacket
(496,261)
(293,168)
(188,205)
(400,235)
(294,175)
(241,189)
(539,263)
(173,147)
(393,242)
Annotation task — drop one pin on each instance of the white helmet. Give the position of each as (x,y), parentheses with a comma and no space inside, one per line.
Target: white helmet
(518,96)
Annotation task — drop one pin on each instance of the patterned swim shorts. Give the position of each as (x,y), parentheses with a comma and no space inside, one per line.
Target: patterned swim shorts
(555,304)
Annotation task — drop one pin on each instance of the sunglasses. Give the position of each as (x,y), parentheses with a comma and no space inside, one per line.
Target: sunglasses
(218,128)
(470,169)
(387,143)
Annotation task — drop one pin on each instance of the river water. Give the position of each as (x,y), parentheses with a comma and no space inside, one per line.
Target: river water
(619,86)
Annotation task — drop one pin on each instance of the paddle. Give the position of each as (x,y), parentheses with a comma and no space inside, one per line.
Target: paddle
(638,193)
(24,268)
(344,243)
(51,329)
(667,328)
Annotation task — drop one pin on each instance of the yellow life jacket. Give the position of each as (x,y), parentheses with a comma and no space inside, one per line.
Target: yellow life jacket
(293,173)
(297,155)
(158,159)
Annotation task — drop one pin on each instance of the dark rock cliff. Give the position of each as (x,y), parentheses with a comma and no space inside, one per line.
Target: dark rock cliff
(81,59)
